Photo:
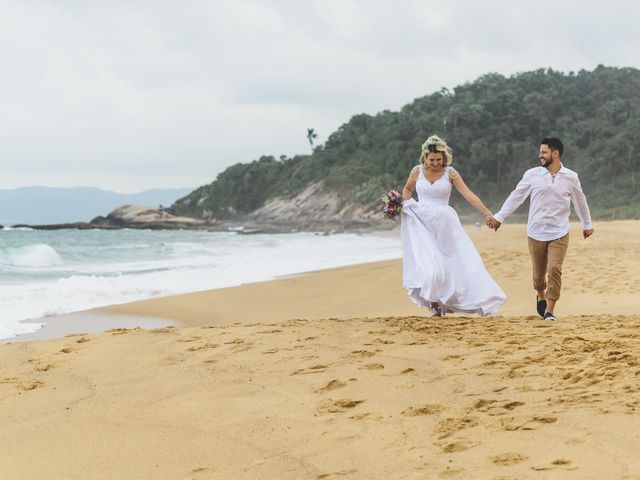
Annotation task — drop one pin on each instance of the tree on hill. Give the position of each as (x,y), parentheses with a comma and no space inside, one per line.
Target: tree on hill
(494,124)
(311,136)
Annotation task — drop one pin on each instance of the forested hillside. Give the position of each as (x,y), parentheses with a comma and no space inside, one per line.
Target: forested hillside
(494,124)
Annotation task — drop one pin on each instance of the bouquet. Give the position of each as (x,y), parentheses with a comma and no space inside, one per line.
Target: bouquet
(391,204)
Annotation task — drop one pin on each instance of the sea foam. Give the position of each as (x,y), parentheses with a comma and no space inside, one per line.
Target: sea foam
(30,256)
(58,272)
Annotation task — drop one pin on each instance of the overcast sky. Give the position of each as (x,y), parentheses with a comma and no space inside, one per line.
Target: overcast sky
(131,94)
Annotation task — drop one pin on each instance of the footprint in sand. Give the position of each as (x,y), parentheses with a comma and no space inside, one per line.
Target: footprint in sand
(368,416)
(459,445)
(27,386)
(337,406)
(273,330)
(43,368)
(512,405)
(314,369)
(297,347)
(341,473)
(545,419)
(239,345)
(363,353)
(68,349)
(508,458)
(165,330)
(206,346)
(372,366)
(483,404)
(512,424)
(242,347)
(449,426)
(560,462)
(332,385)
(192,338)
(428,409)
(121,331)
(453,357)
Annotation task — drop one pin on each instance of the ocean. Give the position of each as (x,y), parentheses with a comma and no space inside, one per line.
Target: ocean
(45,273)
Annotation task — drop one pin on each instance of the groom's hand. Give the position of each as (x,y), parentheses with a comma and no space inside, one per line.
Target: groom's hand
(587,233)
(493,223)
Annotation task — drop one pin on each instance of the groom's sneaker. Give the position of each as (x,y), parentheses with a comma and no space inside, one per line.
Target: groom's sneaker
(549,316)
(541,306)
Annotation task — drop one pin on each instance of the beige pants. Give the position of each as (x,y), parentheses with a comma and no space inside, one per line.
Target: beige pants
(547,258)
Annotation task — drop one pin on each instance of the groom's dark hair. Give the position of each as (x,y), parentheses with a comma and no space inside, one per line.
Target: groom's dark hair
(553,143)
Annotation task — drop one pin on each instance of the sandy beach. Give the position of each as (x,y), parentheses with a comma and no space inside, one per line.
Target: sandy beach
(337,375)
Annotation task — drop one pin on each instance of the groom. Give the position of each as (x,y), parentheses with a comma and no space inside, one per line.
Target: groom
(552,187)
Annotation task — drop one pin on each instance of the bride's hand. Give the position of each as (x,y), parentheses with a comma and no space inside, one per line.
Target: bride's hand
(492,222)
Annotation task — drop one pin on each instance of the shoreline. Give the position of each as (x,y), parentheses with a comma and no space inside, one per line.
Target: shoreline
(182,274)
(374,289)
(88,322)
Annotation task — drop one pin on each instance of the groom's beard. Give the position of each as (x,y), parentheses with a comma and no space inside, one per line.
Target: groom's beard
(547,163)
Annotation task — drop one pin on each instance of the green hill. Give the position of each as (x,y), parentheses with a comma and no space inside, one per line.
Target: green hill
(494,124)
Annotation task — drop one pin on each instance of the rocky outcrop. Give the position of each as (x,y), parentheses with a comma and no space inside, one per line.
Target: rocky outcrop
(136,216)
(63,226)
(317,208)
(313,209)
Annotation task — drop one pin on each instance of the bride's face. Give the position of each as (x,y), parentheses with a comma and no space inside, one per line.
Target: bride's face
(434,161)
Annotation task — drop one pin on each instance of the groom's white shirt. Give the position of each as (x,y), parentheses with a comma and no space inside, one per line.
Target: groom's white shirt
(550,202)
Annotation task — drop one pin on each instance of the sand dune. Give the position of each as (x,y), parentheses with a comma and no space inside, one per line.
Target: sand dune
(361,392)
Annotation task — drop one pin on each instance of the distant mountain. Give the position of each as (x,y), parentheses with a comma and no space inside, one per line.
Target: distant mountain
(44,205)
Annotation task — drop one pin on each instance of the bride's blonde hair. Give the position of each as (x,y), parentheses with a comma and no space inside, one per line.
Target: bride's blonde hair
(436,144)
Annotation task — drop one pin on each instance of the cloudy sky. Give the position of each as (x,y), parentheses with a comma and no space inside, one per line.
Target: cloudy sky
(132,94)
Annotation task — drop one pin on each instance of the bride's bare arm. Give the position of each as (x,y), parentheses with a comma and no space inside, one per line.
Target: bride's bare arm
(411,183)
(468,195)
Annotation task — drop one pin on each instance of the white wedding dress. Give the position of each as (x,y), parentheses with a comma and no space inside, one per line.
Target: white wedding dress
(440,263)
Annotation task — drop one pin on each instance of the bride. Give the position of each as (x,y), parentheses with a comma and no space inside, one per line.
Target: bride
(442,269)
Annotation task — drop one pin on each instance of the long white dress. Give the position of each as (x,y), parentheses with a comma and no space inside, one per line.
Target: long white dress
(440,263)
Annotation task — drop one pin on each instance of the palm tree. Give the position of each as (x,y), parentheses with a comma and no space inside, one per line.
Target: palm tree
(311,136)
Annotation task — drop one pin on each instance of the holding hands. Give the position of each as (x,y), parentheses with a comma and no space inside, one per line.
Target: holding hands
(492,222)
